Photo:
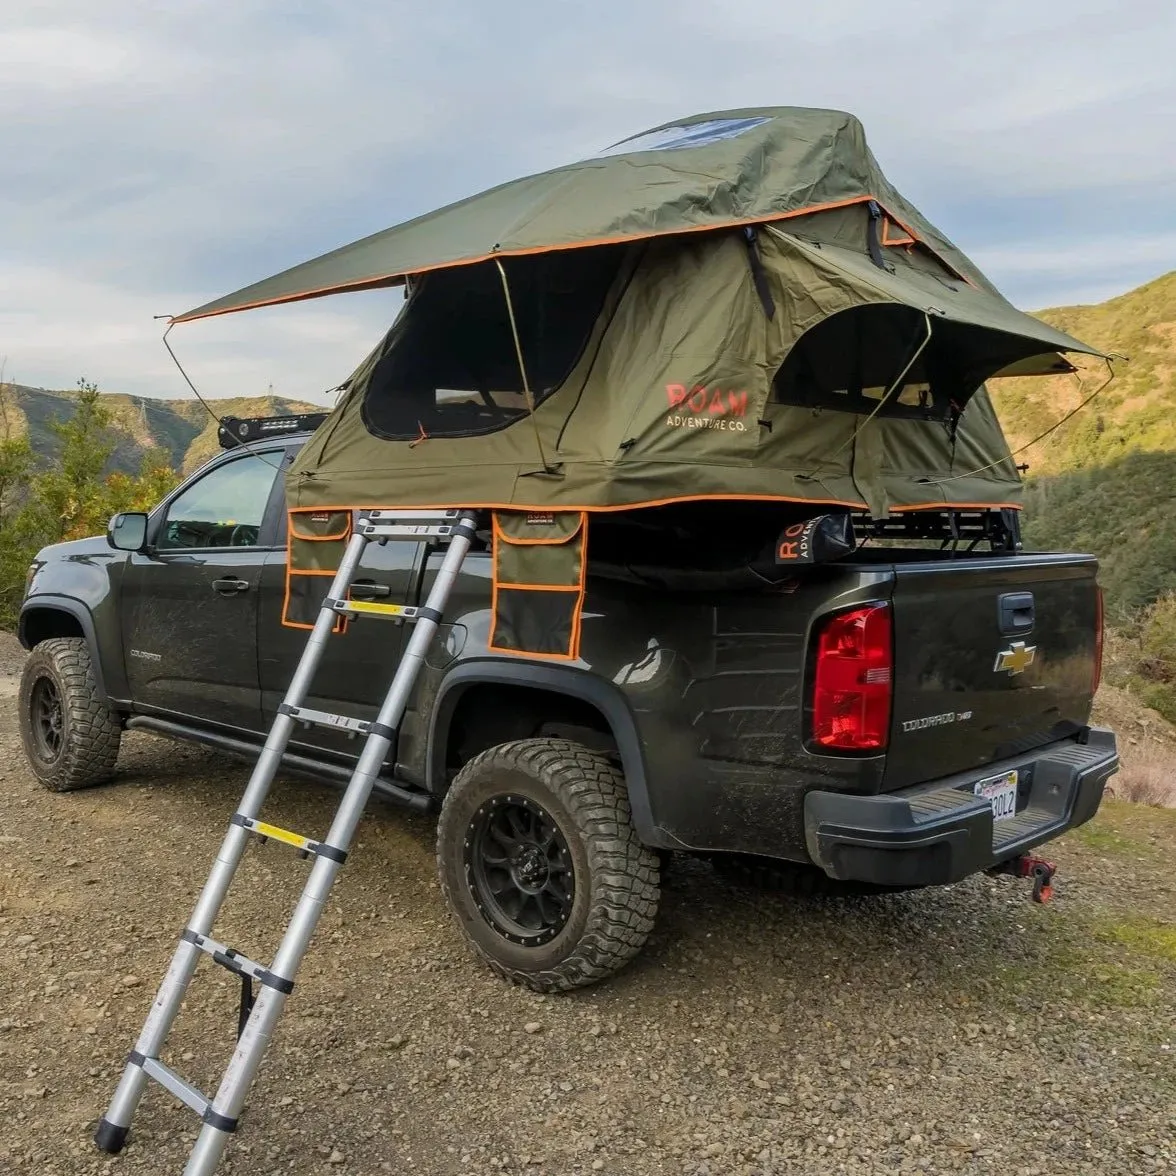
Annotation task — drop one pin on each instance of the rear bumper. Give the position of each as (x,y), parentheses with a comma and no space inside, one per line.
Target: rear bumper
(941,832)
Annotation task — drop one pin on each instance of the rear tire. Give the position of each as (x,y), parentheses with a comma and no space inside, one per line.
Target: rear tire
(70,735)
(540,863)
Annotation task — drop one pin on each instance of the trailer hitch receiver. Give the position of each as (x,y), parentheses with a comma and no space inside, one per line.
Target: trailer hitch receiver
(1027,866)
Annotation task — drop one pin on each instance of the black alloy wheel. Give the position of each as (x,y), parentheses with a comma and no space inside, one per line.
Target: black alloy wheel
(520,870)
(47,720)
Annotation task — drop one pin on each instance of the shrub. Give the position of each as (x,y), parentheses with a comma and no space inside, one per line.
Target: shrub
(1147,775)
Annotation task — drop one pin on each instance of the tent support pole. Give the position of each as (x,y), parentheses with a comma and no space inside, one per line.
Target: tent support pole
(514,330)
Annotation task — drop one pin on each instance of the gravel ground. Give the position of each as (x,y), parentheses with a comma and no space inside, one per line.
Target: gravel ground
(958,1030)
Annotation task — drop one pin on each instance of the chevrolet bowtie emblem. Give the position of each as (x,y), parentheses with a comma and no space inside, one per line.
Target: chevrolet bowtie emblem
(1016,659)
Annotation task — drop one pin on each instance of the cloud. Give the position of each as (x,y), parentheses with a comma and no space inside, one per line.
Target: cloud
(300,351)
(1104,266)
(157,156)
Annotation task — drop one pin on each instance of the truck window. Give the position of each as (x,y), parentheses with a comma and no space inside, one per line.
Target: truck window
(224,508)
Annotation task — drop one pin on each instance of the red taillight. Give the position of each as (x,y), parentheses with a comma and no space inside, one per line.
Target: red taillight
(1099,625)
(854,672)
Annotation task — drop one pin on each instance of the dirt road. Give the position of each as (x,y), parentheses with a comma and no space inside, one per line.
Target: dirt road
(962,1030)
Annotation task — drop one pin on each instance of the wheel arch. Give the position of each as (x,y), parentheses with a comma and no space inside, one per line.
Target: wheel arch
(564,684)
(43,617)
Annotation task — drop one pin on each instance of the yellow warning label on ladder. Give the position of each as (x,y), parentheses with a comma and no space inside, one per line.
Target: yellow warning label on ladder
(387,610)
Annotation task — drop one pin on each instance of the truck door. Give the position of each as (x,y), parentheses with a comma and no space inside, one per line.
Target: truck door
(189,603)
(358,665)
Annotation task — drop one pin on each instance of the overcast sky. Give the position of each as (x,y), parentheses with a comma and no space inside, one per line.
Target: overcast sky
(158,154)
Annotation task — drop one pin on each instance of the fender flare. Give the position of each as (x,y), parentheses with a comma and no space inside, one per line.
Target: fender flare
(80,613)
(602,695)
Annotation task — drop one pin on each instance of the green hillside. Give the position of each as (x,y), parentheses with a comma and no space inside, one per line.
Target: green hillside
(182,430)
(1106,480)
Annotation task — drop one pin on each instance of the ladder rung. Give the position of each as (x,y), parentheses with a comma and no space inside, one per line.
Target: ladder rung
(412,515)
(414,531)
(408,524)
(228,958)
(171,1081)
(373,608)
(304,714)
(275,833)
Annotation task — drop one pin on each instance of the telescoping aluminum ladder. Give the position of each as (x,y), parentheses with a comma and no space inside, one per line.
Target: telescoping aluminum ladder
(219,1114)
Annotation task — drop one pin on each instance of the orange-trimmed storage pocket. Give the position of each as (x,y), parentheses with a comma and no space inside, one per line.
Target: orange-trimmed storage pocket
(317,540)
(540,562)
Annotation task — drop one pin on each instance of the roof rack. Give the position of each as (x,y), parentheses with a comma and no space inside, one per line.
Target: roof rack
(948,526)
(235,431)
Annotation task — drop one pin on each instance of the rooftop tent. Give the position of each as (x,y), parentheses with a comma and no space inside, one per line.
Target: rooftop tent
(685,367)
(734,306)
(737,304)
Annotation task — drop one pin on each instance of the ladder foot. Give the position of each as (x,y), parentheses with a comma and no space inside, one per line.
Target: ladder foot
(110,1137)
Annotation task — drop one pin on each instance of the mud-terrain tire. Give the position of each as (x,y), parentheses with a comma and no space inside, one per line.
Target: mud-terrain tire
(539,862)
(70,735)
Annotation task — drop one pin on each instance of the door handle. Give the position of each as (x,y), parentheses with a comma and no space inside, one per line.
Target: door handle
(1017,613)
(367,590)
(230,587)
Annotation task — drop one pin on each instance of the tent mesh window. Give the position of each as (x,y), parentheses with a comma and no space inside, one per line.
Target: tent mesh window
(849,361)
(452,369)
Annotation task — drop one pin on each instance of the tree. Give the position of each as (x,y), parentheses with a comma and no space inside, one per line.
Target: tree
(68,496)
(71,495)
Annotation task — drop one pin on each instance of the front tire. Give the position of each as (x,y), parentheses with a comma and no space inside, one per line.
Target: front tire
(540,863)
(70,735)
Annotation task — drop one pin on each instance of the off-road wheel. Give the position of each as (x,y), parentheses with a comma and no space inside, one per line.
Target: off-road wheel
(70,735)
(540,863)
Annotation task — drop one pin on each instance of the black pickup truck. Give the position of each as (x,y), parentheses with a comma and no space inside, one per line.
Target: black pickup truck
(905,716)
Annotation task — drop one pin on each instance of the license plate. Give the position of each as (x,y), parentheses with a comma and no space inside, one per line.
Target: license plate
(1001,793)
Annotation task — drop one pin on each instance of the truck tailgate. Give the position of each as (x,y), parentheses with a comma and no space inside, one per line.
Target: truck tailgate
(992,656)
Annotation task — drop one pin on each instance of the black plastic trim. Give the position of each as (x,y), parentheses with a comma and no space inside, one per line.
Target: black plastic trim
(220,1122)
(881,839)
(558,680)
(419,802)
(110,1137)
(51,602)
(279,983)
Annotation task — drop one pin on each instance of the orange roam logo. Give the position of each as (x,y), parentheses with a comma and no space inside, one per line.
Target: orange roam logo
(706,408)
(791,542)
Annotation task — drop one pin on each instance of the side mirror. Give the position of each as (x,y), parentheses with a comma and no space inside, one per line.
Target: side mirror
(127,531)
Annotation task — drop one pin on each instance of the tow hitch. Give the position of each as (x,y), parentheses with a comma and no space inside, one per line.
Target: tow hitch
(1026,866)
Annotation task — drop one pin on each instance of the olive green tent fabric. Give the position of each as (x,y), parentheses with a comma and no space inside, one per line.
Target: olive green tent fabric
(317,540)
(734,305)
(708,171)
(539,574)
(675,395)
